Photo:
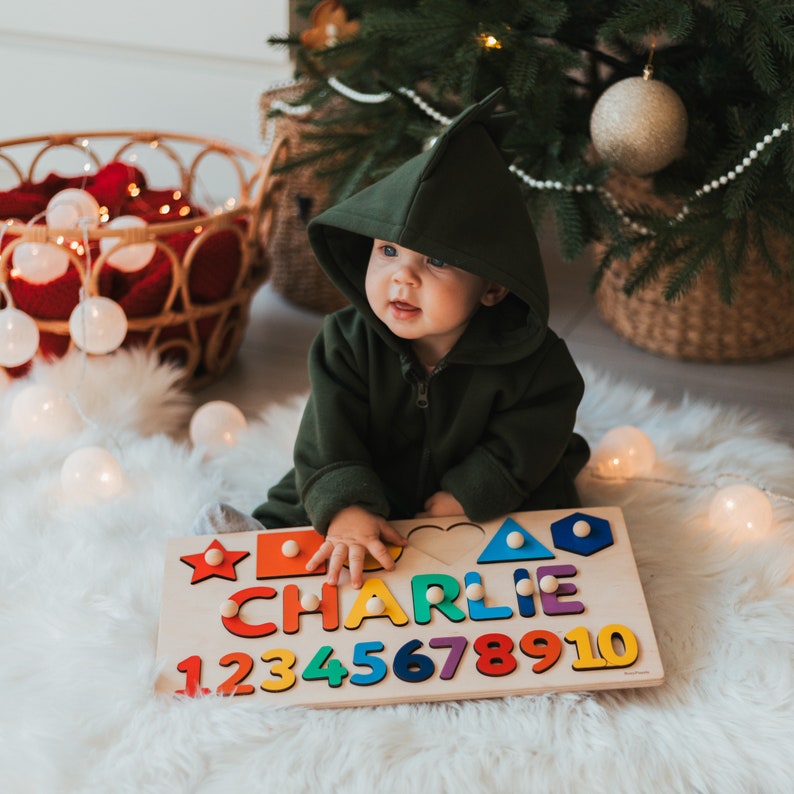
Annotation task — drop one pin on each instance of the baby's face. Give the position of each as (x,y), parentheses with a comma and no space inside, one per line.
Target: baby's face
(422,299)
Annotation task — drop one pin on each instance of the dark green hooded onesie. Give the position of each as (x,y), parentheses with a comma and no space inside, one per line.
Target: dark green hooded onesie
(493,424)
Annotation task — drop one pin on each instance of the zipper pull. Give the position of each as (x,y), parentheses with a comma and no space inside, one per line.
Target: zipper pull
(421,396)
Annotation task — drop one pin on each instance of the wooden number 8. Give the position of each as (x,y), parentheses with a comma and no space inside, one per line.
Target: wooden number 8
(495,654)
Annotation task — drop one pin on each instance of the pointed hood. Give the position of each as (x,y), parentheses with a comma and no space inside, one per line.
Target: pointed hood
(457,202)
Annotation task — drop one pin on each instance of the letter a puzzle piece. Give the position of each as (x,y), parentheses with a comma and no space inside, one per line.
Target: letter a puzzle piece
(512,543)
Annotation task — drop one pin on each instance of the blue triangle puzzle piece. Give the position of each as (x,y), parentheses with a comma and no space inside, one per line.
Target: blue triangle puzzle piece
(498,549)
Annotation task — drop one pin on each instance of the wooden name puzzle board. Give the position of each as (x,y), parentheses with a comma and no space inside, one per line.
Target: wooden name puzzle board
(534,602)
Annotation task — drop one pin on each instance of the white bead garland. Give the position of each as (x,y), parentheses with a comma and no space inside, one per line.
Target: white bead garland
(357,96)
(548,184)
(423,106)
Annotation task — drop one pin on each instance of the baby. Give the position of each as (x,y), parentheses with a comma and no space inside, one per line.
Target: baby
(440,390)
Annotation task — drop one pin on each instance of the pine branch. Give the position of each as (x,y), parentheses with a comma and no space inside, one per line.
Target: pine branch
(633,21)
(568,216)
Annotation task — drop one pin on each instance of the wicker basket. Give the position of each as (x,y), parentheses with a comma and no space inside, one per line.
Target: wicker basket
(759,324)
(295,273)
(202,335)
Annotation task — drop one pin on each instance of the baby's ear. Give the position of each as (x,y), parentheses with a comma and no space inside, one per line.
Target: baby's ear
(494,294)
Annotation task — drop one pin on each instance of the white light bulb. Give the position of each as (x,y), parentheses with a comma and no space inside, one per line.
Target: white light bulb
(73,209)
(740,508)
(216,425)
(98,325)
(43,412)
(133,256)
(19,337)
(91,474)
(624,452)
(39,263)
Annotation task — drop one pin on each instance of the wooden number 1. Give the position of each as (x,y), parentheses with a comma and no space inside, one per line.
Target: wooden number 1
(191,667)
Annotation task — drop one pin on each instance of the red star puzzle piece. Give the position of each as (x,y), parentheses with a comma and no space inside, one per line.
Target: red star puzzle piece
(223,568)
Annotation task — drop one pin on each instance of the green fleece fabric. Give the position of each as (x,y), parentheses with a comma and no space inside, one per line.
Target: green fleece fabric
(493,424)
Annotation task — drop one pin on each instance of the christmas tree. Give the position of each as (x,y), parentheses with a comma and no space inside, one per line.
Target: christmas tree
(696,173)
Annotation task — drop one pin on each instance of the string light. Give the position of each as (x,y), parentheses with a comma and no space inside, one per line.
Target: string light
(19,334)
(742,508)
(91,474)
(98,325)
(489,42)
(132,256)
(216,426)
(72,208)
(39,261)
(624,452)
(43,412)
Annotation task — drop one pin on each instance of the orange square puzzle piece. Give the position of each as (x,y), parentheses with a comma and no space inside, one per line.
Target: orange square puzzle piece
(281,553)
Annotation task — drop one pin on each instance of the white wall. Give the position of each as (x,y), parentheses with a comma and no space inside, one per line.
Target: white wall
(190,66)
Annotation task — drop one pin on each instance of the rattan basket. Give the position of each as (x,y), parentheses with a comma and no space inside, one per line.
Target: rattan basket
(759,323)
(295,273)
(201,335)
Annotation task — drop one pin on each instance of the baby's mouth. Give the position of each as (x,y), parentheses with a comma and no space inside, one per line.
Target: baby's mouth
(403,309)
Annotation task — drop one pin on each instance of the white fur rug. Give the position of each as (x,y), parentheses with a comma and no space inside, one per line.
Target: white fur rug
(80,590)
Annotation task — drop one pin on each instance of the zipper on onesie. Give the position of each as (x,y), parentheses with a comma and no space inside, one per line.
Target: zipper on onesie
(422,400)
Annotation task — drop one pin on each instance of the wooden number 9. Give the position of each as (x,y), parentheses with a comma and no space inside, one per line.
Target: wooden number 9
(543,645)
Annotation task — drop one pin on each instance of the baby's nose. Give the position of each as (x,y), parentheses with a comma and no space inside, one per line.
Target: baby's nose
(405,275)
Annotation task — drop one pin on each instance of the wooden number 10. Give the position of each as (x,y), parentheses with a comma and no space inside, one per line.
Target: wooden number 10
(610,657)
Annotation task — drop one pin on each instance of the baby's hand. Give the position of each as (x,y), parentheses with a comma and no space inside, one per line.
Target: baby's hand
(352,533)
(441,503)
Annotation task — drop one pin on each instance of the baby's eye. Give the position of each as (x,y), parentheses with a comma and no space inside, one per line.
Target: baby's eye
(435,262)
(388,250)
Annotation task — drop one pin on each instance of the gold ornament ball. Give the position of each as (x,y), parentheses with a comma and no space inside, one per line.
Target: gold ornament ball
(639,125)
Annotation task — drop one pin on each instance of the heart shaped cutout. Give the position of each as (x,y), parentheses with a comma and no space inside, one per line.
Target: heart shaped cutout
(446,545)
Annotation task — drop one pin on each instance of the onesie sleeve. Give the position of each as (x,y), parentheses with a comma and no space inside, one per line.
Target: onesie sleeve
(525,441)
(333,466)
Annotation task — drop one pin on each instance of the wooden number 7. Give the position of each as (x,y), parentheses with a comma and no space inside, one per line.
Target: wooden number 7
(456,647)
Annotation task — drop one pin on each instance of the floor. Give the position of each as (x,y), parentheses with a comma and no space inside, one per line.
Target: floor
(270,365)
